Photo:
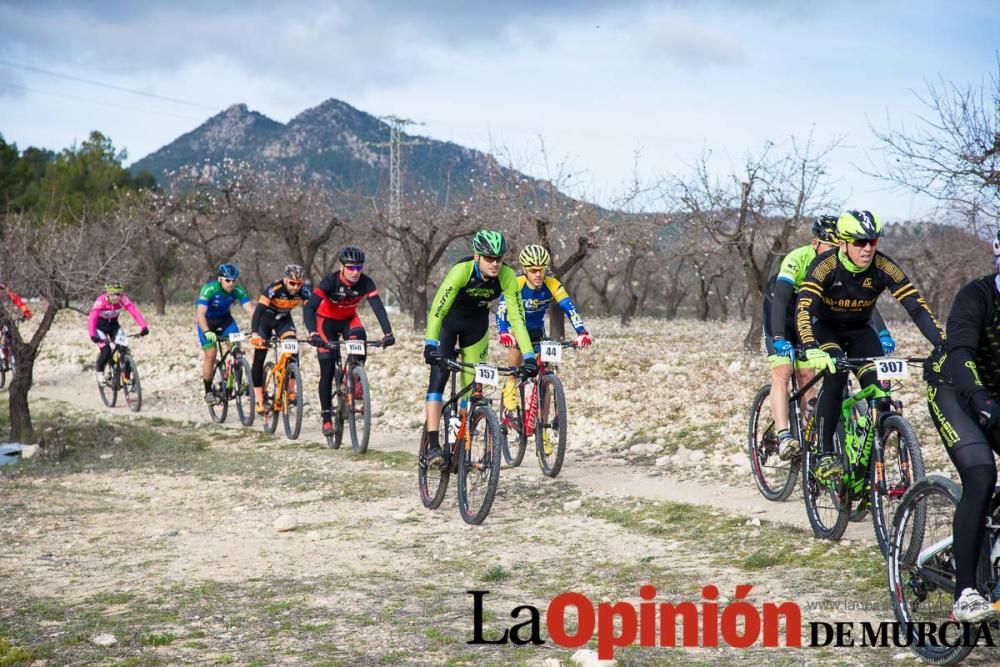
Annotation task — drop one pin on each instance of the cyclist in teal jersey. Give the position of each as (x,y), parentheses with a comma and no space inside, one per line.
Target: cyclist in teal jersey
(460,315)
(214,319)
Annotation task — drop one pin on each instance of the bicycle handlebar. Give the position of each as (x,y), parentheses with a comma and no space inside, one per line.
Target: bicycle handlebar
(335,344)
(503,370)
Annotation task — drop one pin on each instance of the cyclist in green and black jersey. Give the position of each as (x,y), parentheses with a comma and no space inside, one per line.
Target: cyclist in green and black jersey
(460,314)
(963,385)
(835,304)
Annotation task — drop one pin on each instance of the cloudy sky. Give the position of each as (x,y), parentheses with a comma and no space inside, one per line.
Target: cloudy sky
(598,82)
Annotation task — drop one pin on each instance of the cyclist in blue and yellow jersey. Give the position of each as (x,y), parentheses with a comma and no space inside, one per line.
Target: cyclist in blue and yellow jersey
(832,316)
(538,290)
(214,319)
(780,336)
(460,315)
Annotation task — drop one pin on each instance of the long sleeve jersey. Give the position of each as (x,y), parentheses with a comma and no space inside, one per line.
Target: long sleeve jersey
(841,297)
(106,310)
(968,361)
(785,284)
(337,299)
(467,291)
(536,302)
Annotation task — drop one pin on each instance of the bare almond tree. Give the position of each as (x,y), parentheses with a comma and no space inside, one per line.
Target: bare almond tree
(62,263)
(757,211)
(951,153)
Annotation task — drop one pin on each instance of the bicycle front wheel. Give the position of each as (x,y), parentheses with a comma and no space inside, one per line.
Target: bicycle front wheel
(921,567)
(433,480)
(291,408)
(270,416)
(243,390)
(550,425)
(901,466)
(775,478)
(359,414)
(479,465)
(131,386)
(220,408)
(827,503)
(109,391)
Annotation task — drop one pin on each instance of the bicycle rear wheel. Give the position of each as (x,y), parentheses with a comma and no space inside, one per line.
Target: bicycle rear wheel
(109,392)
(901,467)
(828,507)
(359,410)
(291,410)
(550,431)
(775,478)
(243,389)
(921,567)
(479,465)
(433,480)
(131,386)
(270,417)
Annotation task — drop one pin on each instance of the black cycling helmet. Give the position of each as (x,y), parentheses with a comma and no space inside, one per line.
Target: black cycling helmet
(229,271)
(294,272)
(351,255)
(825,228)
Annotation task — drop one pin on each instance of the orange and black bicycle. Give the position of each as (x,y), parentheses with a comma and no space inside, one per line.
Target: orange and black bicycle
(471,440)
(283,388)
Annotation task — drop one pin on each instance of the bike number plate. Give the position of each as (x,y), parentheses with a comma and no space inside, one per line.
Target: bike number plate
(237,337)
(891,369)
(121,339)
(355,347)
(551,352)
(290,346)
(486,374)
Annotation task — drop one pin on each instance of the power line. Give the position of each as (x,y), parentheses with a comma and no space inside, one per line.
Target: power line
(131,91)
(105,104)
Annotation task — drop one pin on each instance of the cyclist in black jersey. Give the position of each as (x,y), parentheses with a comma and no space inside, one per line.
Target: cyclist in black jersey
(963,383)
(835,303)
(273,317)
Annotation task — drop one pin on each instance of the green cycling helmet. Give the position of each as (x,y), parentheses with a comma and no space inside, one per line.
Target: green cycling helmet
(534,255)
(856,225)
(489,242)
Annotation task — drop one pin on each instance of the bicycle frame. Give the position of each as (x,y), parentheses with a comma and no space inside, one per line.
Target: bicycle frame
(475,398)
(277,371)
(224,359)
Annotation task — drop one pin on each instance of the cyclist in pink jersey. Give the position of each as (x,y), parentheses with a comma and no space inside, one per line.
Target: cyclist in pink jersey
(103,322)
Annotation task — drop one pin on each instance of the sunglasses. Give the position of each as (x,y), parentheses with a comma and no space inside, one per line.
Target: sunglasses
(227,280)
(295,283)
(353,267)
(491,260)
(862,243)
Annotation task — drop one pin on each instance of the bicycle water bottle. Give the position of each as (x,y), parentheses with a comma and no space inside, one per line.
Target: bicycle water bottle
(453,426)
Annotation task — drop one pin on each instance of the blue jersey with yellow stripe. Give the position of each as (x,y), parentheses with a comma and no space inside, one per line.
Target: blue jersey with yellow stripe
(536,302)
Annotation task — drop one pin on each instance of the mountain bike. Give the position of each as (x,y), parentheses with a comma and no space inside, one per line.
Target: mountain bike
(921,567)
(280,375)
(878,449)
(541,415)
(122,374)
(774,476)
(471,441)
(354,400)
(231,381)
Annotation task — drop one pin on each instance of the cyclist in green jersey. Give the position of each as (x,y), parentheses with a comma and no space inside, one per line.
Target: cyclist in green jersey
(213,319)
(779,325)
(460,314)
